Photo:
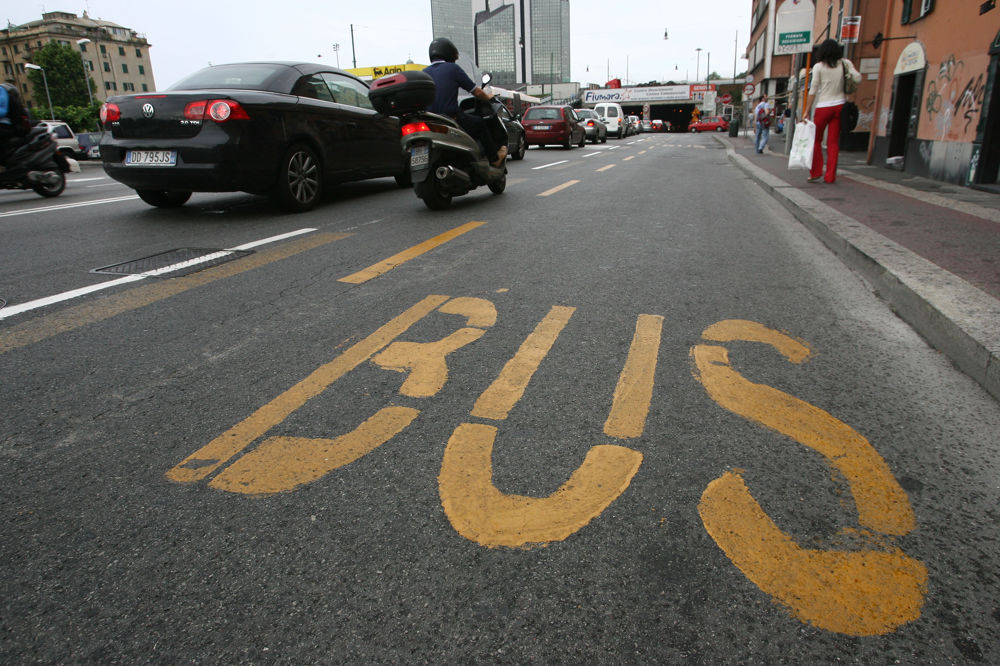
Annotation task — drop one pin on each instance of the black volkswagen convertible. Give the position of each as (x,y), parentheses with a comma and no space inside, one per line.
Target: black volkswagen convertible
(289,130)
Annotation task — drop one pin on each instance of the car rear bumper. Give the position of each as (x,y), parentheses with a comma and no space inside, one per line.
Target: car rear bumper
(218,169)
(535,137)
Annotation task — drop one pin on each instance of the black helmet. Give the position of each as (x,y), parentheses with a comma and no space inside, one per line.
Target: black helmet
(443,48)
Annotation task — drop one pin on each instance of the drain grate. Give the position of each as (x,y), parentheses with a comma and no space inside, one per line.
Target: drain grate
(173,263)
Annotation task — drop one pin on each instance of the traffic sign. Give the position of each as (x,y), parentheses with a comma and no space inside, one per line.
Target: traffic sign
(749,88)
(726,98)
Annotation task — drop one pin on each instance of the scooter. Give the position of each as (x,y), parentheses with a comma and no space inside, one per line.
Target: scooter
(34,163)
(445,161)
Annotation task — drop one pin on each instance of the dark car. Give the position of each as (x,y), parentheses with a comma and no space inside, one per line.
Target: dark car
(553,125)
(517,144)
(285,129)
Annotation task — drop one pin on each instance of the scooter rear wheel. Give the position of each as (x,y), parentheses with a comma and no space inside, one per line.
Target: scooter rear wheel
(52,190)
(431,193)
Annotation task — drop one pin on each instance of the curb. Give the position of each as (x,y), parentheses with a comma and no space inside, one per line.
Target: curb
(957,319)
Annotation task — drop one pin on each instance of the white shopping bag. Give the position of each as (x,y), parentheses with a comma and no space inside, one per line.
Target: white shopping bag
(801,155)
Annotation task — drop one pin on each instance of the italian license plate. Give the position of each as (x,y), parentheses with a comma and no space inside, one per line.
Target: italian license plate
(151,158)
(542,127)
(419,156)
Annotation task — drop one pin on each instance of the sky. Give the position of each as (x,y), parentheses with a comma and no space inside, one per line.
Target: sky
(629,44)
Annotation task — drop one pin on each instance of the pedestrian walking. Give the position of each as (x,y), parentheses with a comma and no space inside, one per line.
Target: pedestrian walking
(832,76)
(762,119)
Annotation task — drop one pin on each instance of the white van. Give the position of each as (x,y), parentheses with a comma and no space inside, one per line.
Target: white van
(611,114)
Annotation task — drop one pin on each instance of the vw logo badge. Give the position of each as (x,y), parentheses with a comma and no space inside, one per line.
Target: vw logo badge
(147,110)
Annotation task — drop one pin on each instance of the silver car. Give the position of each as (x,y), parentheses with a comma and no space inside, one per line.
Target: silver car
(595,129)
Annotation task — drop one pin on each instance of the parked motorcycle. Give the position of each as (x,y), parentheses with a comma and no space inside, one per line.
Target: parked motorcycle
(445,161)
(34,163)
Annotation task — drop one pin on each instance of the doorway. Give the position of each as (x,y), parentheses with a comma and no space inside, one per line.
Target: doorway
(902,109)
(988,171)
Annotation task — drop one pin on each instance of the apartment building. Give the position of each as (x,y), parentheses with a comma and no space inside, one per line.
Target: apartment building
(117,58)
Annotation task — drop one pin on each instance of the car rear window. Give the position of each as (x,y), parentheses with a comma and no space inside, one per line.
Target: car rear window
(250,76)
(542,114)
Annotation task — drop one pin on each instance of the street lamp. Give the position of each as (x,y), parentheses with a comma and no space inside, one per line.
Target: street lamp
(45,80)
(86,74)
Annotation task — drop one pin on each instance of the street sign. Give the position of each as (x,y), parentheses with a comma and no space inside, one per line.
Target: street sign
(793,26)
(850,29)
(726,98)
(749,88)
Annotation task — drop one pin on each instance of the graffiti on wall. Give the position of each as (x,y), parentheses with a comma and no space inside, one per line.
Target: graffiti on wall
(954,100)
(866,113)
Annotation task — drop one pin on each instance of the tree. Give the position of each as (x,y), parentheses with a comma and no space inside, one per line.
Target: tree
(713,76)
(64,74)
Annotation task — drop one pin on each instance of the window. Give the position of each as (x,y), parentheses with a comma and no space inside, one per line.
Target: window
(104,51)
(313,87)
(124,68)
(916,9)
(138,53)
(121,50)
(142,71)
(145,88)
(107,66)
(83,47)
(348,91)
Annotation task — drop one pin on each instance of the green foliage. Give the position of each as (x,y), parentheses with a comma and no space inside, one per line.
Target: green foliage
(64,73)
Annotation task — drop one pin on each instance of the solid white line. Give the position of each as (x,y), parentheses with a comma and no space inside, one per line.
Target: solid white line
(44,209)
(83,291)
(84,180)
(592,154)
(546,166)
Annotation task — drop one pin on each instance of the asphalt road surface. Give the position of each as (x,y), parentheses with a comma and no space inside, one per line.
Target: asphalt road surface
(628,411)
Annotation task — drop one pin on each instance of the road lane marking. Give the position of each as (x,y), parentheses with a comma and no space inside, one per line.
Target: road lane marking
(634,391)
(501,396)
(594,153)
(83,291)
(863,592)
(605,168)
(559,188)
(546,166)
(630,157)
(400,258)
(480,512)
(45,209)
(77,316)
(210,457)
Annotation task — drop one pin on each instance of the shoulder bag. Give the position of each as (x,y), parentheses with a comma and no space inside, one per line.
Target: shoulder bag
(850,85)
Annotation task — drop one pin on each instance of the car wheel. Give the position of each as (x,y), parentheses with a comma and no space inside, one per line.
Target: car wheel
(604,139)
(694,130)
(52,189)
(583,140)
(300,179)
(431,193)
(522,148)
(567,144)
(499,185)
(164,198)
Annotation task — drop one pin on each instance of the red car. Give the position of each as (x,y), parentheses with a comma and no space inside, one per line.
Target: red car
(709,124)
(553,125)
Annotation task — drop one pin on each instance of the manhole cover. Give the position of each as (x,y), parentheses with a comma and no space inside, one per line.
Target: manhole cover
(174,263)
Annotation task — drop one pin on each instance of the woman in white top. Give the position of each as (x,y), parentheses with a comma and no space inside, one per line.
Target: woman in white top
(826,89)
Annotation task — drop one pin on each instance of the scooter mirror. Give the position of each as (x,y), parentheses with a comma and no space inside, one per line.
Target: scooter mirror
(487,77)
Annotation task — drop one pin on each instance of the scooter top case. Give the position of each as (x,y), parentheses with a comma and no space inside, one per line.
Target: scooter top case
(405,92)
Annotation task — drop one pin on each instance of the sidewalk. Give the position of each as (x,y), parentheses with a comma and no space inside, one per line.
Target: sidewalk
(930,249)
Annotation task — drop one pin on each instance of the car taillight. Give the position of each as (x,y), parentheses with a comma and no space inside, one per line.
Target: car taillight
(219,110)
(110,113)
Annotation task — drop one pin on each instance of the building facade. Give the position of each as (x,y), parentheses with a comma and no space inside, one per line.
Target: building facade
(929,99)
(518,41)
(116,58)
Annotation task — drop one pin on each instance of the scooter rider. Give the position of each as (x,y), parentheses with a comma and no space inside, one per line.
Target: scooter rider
(448,78)
(14,119)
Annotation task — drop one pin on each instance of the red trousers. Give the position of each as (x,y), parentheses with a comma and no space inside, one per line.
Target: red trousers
(823,117)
